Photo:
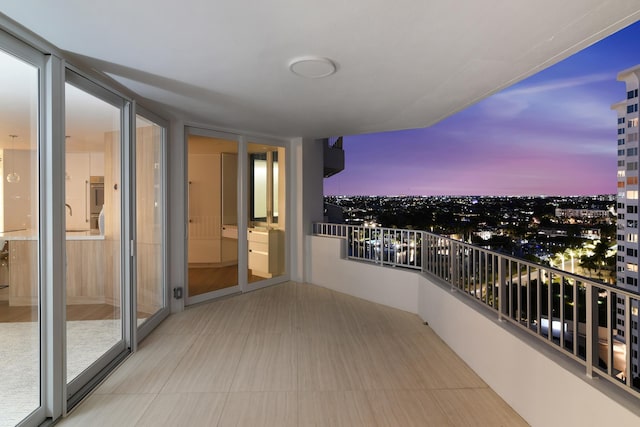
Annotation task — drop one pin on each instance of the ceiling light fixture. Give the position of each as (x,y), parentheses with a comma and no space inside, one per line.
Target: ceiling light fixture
(312,67)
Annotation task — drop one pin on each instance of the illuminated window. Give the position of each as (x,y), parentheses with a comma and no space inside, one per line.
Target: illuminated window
(620,184)
(632,237)
(632,267)
(621,174)
(632,194)
(631,180)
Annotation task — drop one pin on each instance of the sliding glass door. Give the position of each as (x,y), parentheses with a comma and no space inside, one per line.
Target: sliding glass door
(94,189)
(213,216)
(82,232)
(267,225)
(151,293)
(20,290)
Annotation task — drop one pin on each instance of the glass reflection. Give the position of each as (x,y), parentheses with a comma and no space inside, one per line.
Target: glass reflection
(19,241)
(149,165)
(93,282)
(266,233)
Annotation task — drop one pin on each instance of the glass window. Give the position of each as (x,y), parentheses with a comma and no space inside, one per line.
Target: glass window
(267,201)
(93,224)
(19,241)
(149,217)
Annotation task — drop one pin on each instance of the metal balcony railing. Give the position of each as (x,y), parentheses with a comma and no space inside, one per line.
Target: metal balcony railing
(593,323)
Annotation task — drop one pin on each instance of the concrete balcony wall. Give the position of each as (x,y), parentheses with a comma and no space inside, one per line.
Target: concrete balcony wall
(541,385)
(328,267)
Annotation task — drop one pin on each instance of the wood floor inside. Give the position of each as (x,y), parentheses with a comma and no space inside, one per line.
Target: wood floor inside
(203,279)
(294,355)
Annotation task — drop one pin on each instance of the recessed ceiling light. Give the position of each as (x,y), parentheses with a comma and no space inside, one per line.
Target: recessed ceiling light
(312,67)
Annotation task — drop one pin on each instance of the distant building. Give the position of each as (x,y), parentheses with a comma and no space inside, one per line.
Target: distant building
(552,232)
(485,234)
(590,233)
(582,213)
(627,206)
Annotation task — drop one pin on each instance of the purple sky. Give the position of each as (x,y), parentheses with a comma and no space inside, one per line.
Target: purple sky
(552,134)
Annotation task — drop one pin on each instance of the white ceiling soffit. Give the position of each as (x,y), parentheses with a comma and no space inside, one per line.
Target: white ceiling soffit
(398,65)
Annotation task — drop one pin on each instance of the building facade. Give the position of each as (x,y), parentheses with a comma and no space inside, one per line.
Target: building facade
(627,204)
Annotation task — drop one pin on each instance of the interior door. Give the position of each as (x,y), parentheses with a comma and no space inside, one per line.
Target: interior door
(212,217)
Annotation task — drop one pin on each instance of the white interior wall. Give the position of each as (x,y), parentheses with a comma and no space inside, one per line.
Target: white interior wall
(528,377)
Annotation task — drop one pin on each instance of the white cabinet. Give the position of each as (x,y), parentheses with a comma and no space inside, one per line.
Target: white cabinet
(79,169)
(19,199)
(265,252)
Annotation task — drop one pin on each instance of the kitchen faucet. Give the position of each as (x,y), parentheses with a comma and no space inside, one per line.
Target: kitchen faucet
(70,210)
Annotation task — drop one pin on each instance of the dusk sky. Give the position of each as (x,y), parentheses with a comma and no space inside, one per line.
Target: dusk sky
(552,134)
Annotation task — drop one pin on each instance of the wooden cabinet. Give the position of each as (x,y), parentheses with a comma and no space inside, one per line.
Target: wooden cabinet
(229,177)
(212,198)
(205,220)
(85,272)
(23,272)
(266,252)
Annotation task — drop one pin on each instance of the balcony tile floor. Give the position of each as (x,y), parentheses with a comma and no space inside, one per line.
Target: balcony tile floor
(293,355)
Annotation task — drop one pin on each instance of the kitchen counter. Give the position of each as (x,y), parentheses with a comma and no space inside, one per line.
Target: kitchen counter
(70,235)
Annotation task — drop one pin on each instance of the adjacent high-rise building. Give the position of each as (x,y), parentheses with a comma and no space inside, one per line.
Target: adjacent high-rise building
(627,204)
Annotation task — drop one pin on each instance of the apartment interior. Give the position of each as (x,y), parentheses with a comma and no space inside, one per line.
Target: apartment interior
(162,168)
(213,214)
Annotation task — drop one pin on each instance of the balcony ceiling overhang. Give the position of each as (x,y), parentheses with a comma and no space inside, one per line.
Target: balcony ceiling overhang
(399,65)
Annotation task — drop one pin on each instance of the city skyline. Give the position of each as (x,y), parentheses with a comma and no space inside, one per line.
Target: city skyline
(553,133)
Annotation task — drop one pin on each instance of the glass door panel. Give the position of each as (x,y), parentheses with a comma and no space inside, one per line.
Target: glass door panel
(19,241)
(267,201)
(93,228)
(149,218)
(213,217)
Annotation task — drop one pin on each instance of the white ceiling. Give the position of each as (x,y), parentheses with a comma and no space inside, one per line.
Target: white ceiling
(402,64)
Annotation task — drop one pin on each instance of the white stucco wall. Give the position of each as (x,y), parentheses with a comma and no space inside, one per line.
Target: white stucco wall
(393,287)
(306,200)
(540,385)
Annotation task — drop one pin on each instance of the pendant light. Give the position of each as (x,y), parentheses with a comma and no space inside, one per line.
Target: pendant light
(13,177)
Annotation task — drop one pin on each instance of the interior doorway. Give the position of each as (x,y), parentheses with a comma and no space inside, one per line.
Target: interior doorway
(212,217)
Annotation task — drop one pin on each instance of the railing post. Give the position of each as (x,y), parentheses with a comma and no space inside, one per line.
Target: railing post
(453,264)
(591,335)
(502,286)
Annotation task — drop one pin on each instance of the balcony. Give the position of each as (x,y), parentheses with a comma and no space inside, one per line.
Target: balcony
(294,355)
(535,334)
